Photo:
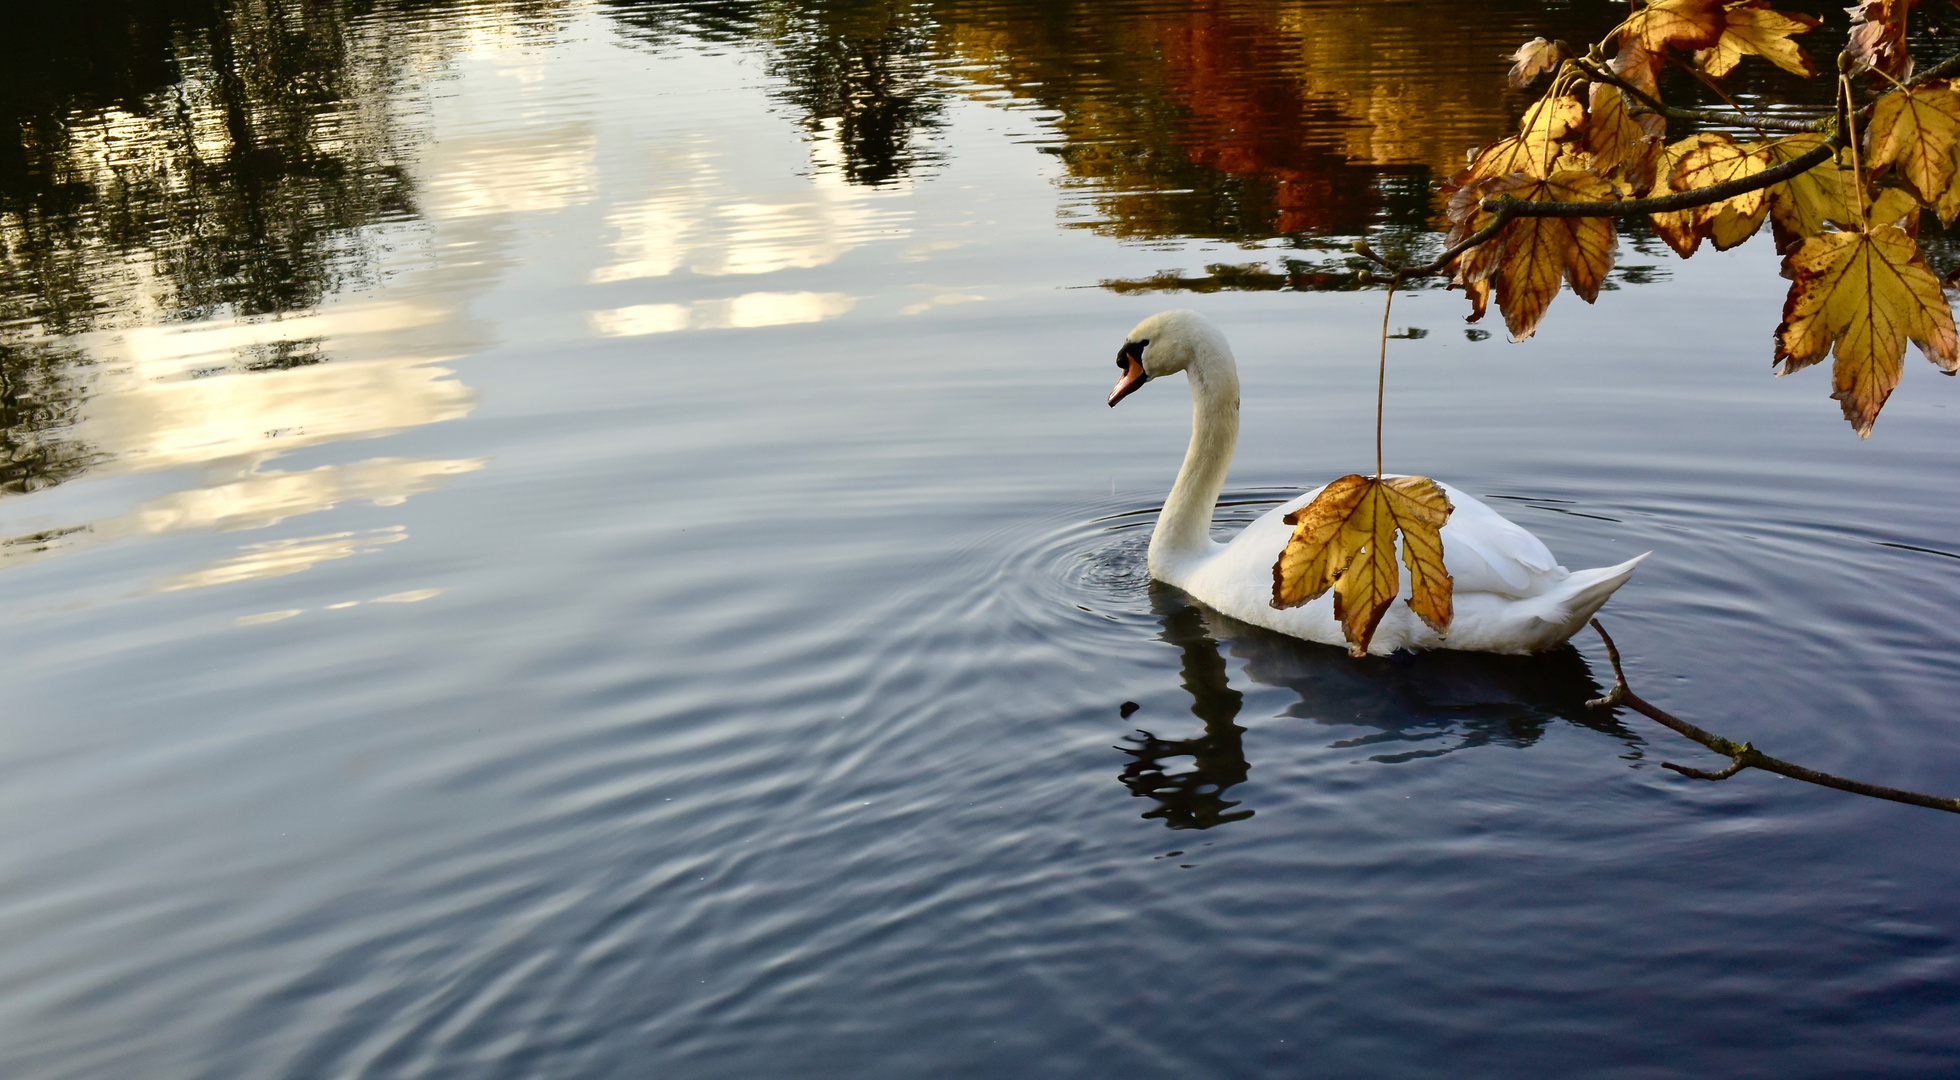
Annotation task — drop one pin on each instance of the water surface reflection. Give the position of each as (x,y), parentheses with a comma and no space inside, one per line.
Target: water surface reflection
(1443,701)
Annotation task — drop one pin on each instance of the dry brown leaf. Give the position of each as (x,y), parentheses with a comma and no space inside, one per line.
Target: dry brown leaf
(1684,24)
(1878,37)
(1345,540)
(1753,28)
(1534,58)
(1800,206)
(1867,291)
(1915,132)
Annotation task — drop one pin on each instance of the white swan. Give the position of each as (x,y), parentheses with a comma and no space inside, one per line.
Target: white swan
(1511,596)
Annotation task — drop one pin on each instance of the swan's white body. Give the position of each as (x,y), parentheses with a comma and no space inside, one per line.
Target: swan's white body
(1511,596)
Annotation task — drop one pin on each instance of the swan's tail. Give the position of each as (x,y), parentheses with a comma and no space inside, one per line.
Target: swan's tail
(1582,594)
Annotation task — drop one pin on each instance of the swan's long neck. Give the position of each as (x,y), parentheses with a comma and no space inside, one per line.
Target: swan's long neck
(1184,528)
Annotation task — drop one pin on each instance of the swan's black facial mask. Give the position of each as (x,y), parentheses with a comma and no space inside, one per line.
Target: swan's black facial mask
(1130,359)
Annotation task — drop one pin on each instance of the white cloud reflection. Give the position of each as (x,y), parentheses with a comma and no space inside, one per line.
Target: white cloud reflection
(740,312)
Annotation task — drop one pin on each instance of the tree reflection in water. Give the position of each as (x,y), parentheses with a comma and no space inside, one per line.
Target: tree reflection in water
(1419,705)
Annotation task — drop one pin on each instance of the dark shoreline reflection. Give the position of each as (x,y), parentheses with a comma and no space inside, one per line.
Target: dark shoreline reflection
(1420,705)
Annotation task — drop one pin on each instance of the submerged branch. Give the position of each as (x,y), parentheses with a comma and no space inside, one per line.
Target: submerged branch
(1743,755)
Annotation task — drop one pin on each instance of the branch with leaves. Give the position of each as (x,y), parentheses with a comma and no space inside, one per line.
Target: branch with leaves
(1744,755)
(1843,193)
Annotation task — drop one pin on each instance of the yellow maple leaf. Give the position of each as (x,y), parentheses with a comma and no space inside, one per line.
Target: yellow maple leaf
(1753,28)
(1345,540)
(1684,24)
(1915,132)
(1619,140)
(1530,256)
(1803,204)
(1704,160)
(1535,148)
(1866,291)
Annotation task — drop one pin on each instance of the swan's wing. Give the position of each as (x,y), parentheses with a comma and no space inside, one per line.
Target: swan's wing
(1486,552)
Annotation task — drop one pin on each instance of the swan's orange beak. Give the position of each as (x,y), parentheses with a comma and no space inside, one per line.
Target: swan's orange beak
(1130,359)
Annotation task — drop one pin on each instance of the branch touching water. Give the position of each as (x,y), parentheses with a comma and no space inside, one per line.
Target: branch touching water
(1744,755)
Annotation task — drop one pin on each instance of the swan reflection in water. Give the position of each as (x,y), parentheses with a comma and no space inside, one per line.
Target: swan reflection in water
(1419,705)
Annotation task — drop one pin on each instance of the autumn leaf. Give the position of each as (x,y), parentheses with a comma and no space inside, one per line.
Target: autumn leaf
(1345,540)
(1753,28)
(1618,140)
(1731,221)
(1684,24)
(1895,207)
(1800,206)
(1681,229)
(1867,292)
(1534,58)
(1878,37)
(1530,256)
(1537,145)
(1915,132)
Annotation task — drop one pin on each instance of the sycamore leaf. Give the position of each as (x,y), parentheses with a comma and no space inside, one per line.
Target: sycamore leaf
(1528,258)
(1752,28)
(1345,540)
(1534,58)
(1532,151)
(1641,66)
(1681,229)
(1878,37)
(1801,205)
(1720,161)
(1684,24)
(1618,140)
(1867,291)
(1895,207)
(1915,132)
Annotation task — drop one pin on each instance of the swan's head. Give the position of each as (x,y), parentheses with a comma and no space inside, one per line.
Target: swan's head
(1163,344)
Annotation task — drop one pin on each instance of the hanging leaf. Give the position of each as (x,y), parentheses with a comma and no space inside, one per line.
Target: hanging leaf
(1754,29)
(1878,37)
(1915,132)
(1618,140)
(1684,24)
(1539,143)
(1681,229)
(1345,540)
(1867,291)
(1534,58)
(1722,161)
(1800,206)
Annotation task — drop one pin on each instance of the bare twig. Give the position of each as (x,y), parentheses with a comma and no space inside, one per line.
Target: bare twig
(1743,755)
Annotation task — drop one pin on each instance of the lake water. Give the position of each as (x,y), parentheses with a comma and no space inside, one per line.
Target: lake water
(553,539)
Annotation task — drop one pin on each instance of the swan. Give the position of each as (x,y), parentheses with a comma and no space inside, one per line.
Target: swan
(1511,596)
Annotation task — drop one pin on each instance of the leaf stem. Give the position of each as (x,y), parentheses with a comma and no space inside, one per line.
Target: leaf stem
(1381,373)
(1744,755)
(1851,139)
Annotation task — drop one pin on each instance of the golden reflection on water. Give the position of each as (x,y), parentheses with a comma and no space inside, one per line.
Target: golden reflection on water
(195,271)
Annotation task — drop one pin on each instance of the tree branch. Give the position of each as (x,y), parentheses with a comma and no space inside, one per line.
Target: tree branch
(1680,200)
(1743,755)
(1730,119)
(1503,208)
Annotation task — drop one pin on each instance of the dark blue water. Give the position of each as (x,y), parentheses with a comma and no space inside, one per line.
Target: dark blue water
(596,550)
